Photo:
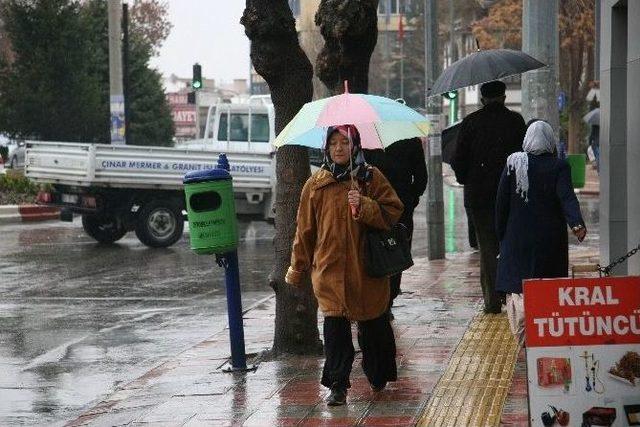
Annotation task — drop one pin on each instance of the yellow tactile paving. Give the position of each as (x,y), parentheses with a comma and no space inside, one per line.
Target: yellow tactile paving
(474,387)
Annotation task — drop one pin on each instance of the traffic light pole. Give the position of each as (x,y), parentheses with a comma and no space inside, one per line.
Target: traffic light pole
(196,85)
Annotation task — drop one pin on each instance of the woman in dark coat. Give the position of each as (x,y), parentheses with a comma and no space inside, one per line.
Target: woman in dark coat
(535,202)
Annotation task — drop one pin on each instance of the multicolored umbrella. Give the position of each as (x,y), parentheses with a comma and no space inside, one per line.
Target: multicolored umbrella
(380,121)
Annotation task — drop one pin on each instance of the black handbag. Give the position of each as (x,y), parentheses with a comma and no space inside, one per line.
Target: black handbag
(387,252)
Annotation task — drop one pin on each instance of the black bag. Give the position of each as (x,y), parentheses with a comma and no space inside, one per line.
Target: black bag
(387,252)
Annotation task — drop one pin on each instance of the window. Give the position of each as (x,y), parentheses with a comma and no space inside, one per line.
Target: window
(222,128)
(395,7)
(239,127)
(259,128)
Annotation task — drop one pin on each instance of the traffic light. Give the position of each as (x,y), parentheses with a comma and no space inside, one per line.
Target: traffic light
(453,105)
(451,95)
(196,82)
(191,97)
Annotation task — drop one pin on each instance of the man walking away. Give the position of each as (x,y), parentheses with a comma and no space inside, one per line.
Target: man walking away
(404,166)
(487,137)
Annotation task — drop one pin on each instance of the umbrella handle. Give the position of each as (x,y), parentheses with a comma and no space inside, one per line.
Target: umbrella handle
(354,186)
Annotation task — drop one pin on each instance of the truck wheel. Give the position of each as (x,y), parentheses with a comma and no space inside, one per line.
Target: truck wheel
(160,224)
(104,229)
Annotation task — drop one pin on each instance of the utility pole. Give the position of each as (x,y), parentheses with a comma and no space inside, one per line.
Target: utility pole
(401,39)
(116,92)
(454,96)
(387,58)
(435,204)
(452,31)
(540,40)
(125,67)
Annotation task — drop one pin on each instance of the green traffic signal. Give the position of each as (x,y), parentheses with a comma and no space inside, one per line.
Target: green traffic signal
(451,95)
(196,81)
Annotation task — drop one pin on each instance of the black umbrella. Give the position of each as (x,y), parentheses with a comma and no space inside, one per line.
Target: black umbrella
(592,117)
(449,141)
(481,67)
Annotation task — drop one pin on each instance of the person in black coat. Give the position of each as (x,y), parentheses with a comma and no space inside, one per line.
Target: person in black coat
(486,138)
(403,164)
(535,202)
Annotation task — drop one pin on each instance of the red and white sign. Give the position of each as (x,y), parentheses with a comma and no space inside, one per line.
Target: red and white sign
(177,98)
(583,351)
(582,311)
(184,115)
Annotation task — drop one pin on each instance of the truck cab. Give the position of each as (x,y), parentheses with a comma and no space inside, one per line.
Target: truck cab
(241,129)
(237,127)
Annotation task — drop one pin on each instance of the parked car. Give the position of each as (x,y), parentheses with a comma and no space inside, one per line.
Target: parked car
(15,150)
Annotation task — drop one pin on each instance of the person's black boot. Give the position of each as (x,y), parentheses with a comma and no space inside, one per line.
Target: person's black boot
(378,387)
(337,397)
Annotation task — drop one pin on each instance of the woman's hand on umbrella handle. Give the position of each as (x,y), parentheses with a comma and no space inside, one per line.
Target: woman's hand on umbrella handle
(580,232)
(354,201)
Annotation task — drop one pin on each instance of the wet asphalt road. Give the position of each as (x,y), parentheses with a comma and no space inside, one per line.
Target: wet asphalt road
(78,318)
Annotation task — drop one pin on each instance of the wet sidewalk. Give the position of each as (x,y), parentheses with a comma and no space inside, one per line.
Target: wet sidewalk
(440,336)
(440,299)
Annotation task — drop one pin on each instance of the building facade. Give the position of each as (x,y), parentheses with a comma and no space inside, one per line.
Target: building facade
(620,132)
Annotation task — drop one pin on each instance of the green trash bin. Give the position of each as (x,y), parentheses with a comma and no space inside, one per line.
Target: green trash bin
(211,210)
(578,163)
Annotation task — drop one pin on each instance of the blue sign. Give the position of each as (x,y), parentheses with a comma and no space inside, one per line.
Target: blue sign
(562,100)
(118,130)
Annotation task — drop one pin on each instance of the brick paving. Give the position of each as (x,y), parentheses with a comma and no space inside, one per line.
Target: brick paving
(440,298)
(439,302)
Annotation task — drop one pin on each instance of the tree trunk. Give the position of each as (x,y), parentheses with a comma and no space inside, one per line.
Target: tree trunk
(350,31)
(276,55)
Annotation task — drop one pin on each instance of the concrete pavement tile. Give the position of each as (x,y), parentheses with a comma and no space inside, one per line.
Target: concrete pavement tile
(329,422)
(350,410)
(158,423)
(393,409)
(271,419)
(388,421)
(119,417)
(282,415)
(209,388)
(203,422)
(175,410)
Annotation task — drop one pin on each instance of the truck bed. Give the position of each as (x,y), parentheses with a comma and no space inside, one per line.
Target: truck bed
(122,166)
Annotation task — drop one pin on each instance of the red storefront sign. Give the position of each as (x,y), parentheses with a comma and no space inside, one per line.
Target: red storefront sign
(586,311)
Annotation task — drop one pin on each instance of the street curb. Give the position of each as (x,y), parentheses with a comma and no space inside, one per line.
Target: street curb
(10,214)
(588,192)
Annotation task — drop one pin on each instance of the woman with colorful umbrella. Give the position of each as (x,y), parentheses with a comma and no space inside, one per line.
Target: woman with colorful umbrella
(338,203)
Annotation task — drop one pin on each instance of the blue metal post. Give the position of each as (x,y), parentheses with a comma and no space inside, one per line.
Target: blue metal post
(234,311)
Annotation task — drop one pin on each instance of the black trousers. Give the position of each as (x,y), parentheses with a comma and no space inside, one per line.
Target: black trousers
(471,231)
(394,281)
(484,223)
(378,351)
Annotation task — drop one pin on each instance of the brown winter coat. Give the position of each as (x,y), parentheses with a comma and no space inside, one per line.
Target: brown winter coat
(329,243)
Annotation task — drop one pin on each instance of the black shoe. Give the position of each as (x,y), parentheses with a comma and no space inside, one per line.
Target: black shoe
(337,397)
(493,310)
(378,387)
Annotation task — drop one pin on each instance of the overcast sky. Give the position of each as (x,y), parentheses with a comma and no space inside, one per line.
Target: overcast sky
(207,32)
